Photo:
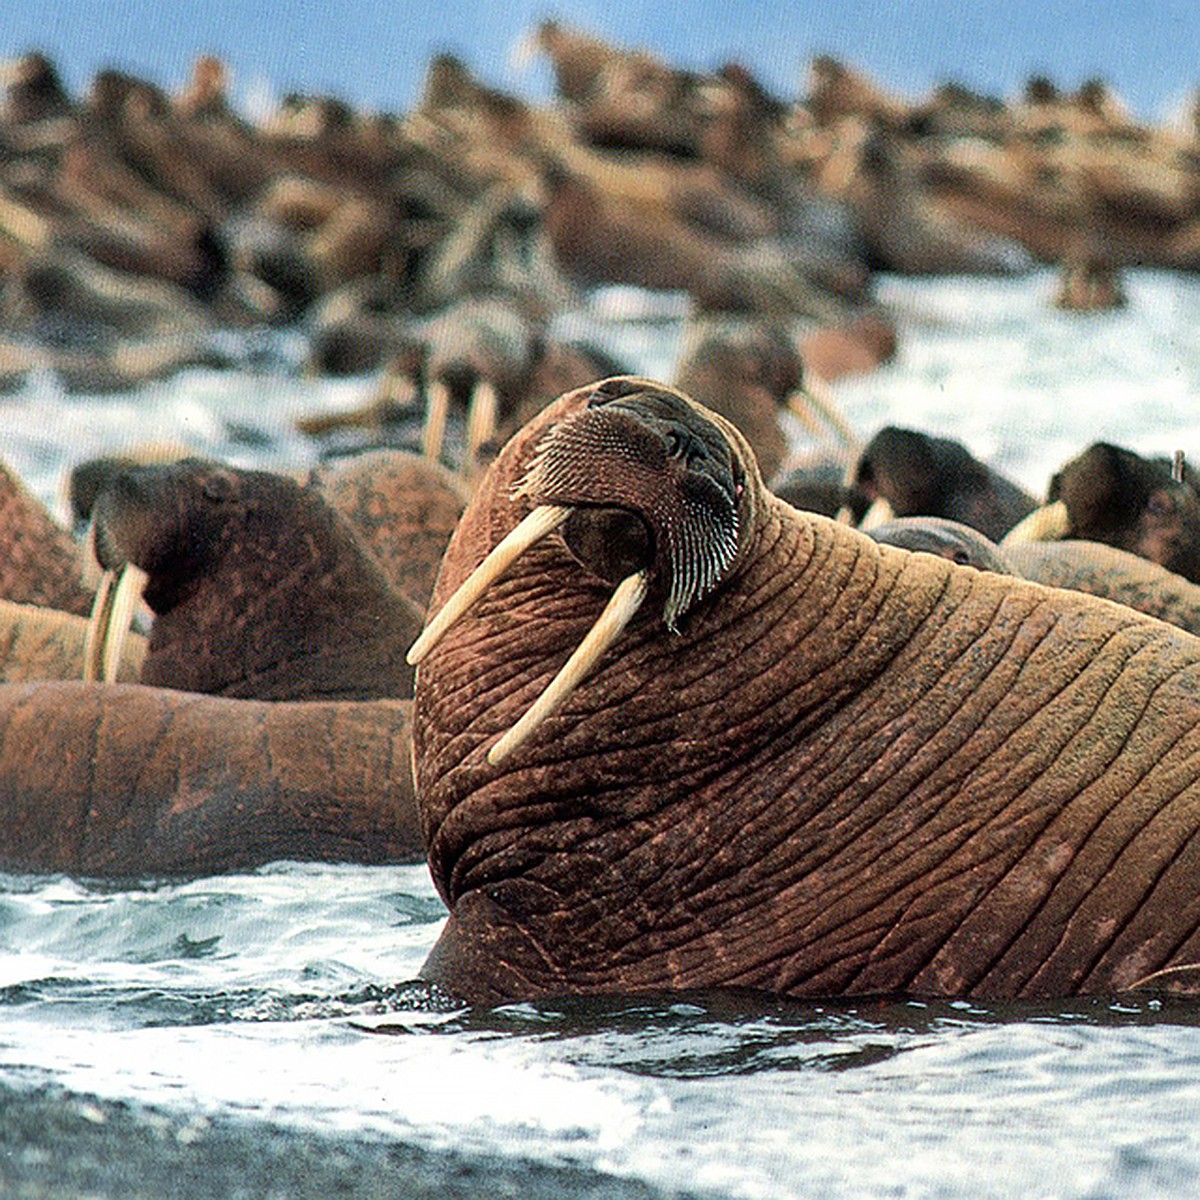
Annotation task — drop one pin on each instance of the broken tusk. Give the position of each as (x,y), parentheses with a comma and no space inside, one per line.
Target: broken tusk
(1049,523)
(117,598)
(543,520)
(619,611)
(437,405)
(880,513)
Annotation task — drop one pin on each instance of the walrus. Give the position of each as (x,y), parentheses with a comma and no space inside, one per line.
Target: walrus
(951,540)
(265,600)
(43,643)
(1110,494)
(914,474)
(1081,566)
(259,588)
(804,763)
(40,563)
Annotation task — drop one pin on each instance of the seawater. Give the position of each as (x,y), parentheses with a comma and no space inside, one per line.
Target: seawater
(285,1002)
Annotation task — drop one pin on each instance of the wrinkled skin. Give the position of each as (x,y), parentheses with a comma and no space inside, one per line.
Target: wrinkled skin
(149,781)
(1112,574)
(852,770)
(1121,499)
(924,476)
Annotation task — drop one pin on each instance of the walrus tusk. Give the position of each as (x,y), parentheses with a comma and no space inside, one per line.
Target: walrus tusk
(481,418)
(880,513)
(436,407)
(117,600)
(1050,523)
(619,611)
(543,520)
(813,397)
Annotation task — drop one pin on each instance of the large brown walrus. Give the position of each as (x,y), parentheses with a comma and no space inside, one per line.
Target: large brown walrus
(806,763)
(277,725)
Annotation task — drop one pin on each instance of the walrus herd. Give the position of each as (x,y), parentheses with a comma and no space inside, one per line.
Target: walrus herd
(664,731)
(663,703)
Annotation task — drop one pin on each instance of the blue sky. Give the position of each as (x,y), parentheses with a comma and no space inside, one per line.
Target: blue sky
(374,54)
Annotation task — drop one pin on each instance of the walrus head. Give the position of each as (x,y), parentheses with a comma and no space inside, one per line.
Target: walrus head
(648,490)
(258,587)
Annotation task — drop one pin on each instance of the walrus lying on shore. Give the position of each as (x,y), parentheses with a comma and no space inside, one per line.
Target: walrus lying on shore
(778,755)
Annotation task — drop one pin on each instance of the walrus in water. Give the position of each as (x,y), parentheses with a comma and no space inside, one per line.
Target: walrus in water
(277,726)
(671,733)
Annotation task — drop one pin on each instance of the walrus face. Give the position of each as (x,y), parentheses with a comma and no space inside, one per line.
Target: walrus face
(650,492)
(1109,494)
(166,520)
(665,501)
(148,546)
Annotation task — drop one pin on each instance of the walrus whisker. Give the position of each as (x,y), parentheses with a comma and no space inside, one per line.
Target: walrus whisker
(481,417)
(437,405)
(880,513)
(541,521)
(117,598)
(619,611)
(1050,523)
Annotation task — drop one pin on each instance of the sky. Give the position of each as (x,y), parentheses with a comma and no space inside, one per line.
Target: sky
(374,54)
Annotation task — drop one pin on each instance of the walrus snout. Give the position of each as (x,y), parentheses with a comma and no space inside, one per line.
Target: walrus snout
(651,452)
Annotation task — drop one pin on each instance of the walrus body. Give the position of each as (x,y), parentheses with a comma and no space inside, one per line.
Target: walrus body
(260,589)
(127,780)
(39,563)
(42,643)
(853,769)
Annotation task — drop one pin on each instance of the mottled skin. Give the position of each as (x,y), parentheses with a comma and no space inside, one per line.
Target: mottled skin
(43,643)
(853,770)
(1117,497)
(260,590)
(39,563)
(404,509)
(925,476)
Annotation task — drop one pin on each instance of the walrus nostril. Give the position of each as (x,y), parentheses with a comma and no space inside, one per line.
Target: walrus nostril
(612,542)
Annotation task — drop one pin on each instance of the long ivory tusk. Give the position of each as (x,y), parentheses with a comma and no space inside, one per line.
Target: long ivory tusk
(798,405)
(117,600)
(481,418)
(880,513)
(437,405)
(1046,524)
(821,398)
(619,611)
(543,520)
